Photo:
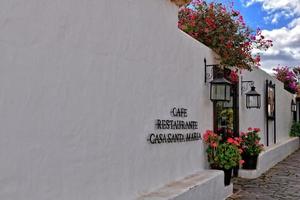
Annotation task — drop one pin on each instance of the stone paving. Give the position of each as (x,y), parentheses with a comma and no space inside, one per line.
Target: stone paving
(280,182)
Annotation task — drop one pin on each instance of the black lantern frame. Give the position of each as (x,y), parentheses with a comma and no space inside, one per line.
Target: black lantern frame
(253,99)
(293,106)
(220,88)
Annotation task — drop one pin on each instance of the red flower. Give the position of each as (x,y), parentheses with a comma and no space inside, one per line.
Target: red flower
(214,145)
(230,140)
(256,129)
(257,59)
(234,77)
(225,32)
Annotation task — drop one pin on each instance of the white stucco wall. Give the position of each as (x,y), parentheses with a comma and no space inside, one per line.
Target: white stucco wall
(81,83)
(257,117)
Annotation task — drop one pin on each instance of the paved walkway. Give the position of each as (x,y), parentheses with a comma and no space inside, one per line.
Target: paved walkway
(280,182)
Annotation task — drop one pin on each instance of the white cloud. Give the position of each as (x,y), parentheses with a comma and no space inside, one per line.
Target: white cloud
(277,8)
(286,40)
(286,46)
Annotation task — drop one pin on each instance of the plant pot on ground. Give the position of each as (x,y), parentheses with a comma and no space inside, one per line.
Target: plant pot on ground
(227,176)
(251,148)
(250,161)
(223,155)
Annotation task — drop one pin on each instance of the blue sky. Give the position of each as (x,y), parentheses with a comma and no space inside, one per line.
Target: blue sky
(280,22)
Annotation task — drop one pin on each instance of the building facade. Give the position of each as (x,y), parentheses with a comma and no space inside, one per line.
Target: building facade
(82,87)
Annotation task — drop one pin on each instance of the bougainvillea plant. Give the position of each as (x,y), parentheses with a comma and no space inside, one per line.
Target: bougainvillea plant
(223,30)
(234,77)
(288,77)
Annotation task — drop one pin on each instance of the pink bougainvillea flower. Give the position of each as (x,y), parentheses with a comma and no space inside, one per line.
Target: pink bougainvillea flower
(223,30)
(256,129)
(234,77)
(287,75)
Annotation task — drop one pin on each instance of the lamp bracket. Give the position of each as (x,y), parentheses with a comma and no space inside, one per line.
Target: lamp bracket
(208,74)
(245,85)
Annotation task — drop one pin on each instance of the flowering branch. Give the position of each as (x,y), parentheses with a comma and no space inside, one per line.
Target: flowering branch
(224,30)
(288,77)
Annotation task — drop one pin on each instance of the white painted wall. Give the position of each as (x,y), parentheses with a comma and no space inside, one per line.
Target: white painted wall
(81,83)
(257,117)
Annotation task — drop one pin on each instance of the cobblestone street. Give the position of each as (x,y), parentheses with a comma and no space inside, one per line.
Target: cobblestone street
(280,182)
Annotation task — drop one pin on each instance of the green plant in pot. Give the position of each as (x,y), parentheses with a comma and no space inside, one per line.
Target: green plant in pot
(227,157)
(223,155)
(295,130)
(251,147)
(212,140)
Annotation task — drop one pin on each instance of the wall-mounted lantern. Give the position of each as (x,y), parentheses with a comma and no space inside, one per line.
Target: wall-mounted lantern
(220,88)
(253,99)
(293,106)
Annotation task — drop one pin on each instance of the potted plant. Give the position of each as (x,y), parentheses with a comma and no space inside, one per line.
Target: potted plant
(223,155)
(227,157)
(212,140)
(295,129)
(251,147)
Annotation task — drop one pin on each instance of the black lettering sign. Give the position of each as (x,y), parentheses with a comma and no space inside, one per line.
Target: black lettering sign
(178,112)
(160,138)
(175,124)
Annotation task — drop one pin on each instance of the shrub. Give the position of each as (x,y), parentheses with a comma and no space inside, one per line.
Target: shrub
(227,156)
(295,129)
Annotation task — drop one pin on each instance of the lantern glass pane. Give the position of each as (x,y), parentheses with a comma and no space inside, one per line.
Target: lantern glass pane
(227,92)
(253,101)
(218,92)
